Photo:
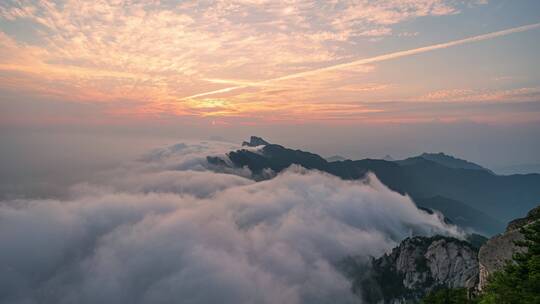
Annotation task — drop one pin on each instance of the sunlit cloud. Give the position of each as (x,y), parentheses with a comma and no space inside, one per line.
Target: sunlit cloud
(519,94)
(380,58)
(263,60)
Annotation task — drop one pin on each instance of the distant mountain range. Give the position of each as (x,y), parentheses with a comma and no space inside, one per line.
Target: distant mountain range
(444,160)
(335,158)
(466,193)
(462,214)
(518,169)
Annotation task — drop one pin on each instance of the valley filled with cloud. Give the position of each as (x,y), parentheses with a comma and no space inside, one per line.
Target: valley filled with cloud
(171,227)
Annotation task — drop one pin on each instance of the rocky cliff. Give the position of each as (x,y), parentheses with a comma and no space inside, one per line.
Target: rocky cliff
(494,254)
(423,264)
(417,266)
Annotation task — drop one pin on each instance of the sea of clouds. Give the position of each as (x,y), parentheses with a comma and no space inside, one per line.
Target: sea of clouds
(168,228)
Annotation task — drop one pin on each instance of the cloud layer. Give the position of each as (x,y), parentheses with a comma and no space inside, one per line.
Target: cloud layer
(151,233)
(152,54)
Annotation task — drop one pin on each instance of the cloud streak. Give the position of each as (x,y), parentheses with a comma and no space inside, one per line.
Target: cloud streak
(375,59)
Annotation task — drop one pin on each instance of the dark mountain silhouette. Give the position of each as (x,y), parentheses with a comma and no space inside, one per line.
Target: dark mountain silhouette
(501,198)
(255,141)
(518,169)
(388,157)
(462,214)
(444,160)
(335,158)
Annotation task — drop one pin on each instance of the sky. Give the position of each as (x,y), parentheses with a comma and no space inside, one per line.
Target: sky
(355,78)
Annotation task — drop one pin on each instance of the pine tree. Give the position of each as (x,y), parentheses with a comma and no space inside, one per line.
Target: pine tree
(447,296)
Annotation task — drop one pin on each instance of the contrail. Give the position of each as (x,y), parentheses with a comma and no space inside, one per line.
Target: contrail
(216,91)
(371,59)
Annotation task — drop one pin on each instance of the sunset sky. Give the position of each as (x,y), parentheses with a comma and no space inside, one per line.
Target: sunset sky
(125,175)
(213,65)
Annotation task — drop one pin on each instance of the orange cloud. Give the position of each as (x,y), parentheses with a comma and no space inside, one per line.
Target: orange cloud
(289,61)
(491,95)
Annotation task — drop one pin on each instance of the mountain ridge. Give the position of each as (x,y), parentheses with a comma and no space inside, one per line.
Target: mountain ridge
(499,197)
(447,161)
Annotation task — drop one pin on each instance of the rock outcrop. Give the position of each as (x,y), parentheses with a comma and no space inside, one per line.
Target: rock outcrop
(494,254)
(423,264)
(417,266)
(255,141)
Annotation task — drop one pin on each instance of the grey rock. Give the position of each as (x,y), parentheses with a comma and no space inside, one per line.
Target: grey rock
(445,261)
(419,265)
(494,254)
(498,250)
(532,216)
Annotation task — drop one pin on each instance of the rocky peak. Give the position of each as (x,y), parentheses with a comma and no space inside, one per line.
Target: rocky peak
(423,264)
(532,215)
(452,162)
(417,266)
(255,141)
(388,157)
(494,254)
(439,260)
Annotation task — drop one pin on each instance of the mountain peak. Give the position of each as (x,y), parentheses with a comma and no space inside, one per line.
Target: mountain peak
(388,157)
(335,158)
(441,154)
(452,162)
(255,141)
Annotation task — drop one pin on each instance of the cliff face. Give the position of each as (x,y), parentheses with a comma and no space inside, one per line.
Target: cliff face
(422,264)
(499,249)
(494,254)
(434,261)
(417,266)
